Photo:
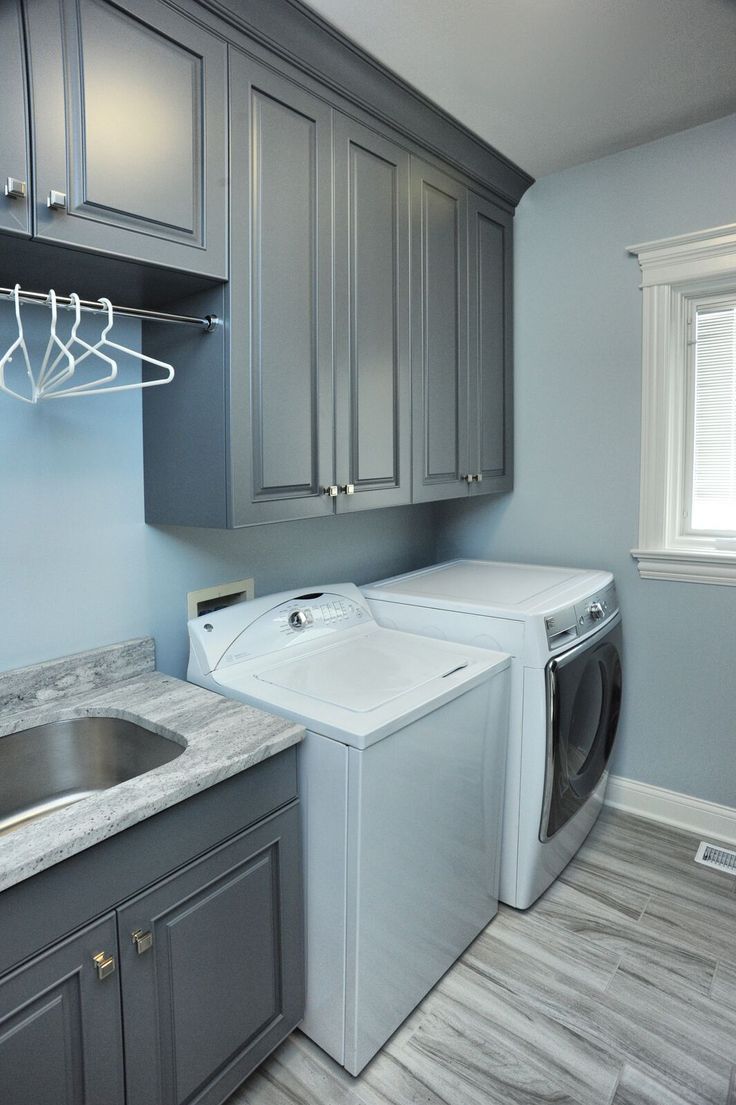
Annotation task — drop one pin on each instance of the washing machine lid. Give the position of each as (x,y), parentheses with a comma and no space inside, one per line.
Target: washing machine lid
(366,673)
(483,586)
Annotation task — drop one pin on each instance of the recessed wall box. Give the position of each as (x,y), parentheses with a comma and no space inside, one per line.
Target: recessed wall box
(214,598)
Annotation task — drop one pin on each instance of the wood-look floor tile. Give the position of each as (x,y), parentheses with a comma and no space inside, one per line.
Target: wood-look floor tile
(451,1052)
(629,1023)
(594,879)
(710,933)
(298,1073)
(591,965)
(654,857)
(527,1014)
(723,989)
(637,1088)
(592,922)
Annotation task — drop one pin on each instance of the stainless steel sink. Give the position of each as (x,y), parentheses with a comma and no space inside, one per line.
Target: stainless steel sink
(51,766)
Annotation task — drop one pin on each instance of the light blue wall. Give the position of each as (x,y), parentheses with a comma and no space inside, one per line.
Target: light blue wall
(78,566)
(577,390)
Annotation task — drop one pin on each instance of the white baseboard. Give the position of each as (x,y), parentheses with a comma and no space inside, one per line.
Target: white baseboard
(695,815)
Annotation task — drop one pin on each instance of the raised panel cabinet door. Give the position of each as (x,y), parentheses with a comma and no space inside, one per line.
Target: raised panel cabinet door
(213,967)
(489,346)
(15,210)
(60,1030)
(281,388)
(129,123)
(439,334)
(372,369)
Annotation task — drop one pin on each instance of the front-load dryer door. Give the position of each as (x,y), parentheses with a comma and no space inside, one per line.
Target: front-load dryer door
(583,707)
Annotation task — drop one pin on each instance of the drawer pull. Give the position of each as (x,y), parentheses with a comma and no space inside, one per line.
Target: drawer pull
(56,200)
(143,940)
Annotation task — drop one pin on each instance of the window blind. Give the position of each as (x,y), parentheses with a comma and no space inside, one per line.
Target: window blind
(713,506)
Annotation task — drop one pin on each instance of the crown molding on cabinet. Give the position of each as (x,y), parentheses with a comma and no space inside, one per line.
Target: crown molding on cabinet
(300,36)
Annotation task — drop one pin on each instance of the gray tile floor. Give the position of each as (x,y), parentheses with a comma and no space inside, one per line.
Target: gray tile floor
(618,987)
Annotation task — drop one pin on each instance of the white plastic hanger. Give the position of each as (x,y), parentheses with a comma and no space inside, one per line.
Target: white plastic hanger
(97,387)
(54,340)
(55,382)
(19,343)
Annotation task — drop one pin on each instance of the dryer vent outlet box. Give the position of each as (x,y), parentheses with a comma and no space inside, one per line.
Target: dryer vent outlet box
(210,599)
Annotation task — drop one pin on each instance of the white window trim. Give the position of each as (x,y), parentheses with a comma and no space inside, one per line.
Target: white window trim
(674,271)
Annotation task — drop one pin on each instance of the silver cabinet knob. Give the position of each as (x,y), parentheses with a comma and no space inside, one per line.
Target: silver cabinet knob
(104,964)
(468,479)
(330,490)
(143,940)
(347,488)
(56,200)
(597,611)
(15,188)
(478,477)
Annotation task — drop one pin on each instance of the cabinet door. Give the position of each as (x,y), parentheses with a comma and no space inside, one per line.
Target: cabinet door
(60,1031)
(281,390)
(222,980)
(15,210)
(129,110)
(439,334)
(489,346)
(372,370)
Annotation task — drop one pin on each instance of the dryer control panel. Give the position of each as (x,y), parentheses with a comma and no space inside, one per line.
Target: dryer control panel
(568,624)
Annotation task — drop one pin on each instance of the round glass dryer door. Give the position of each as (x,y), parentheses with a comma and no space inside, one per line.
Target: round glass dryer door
(584,703)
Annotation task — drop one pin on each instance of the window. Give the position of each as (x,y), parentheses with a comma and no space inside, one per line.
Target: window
(687,519)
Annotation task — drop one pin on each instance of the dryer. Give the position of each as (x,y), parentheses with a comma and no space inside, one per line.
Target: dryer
(401,778)
(562,627)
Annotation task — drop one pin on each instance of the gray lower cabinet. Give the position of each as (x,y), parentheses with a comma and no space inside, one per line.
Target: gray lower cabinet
(129,131)
(185,982)
(14,155)
(211,968)
(461,339)
(60,1025)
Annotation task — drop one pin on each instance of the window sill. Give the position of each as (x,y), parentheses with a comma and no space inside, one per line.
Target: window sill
(687,566)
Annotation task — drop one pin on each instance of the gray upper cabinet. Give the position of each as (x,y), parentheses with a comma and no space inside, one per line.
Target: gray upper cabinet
(489,346)
(129,117)
(439,334)
(461,339)
(281,388)
(15,181)
(63,1010)
(372,369)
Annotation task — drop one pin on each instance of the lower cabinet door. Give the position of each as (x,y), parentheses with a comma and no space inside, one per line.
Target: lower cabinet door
(60,1032)
(212,967)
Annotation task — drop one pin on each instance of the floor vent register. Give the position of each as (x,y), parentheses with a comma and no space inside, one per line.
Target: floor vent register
(710,855)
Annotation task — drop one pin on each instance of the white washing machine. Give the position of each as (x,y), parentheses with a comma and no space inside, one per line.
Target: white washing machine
(401,782)
(563,628)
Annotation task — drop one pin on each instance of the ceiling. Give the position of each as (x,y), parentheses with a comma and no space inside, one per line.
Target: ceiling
(553,83)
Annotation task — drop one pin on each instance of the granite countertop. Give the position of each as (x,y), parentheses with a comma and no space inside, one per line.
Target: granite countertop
(220,738)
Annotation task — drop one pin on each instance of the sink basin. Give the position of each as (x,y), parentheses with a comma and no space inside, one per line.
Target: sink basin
(51,766)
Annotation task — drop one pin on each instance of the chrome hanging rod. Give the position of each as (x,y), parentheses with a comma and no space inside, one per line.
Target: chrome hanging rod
(208,323)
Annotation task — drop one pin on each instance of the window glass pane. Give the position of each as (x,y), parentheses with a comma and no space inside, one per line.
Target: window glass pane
(713,505)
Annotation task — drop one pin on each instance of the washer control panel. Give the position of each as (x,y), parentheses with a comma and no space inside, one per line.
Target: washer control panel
(576,621)
(305,617)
